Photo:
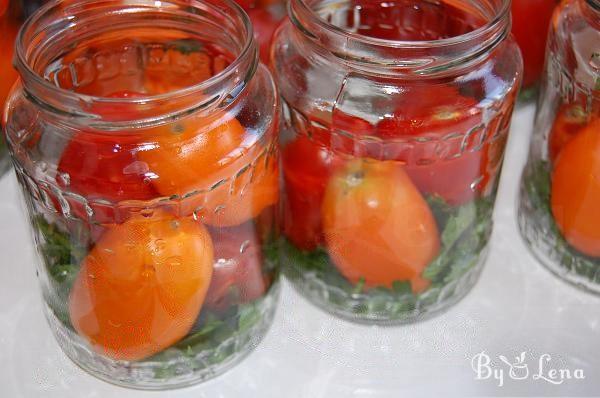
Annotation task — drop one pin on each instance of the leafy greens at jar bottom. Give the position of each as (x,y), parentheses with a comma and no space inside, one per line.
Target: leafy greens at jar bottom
(465,231)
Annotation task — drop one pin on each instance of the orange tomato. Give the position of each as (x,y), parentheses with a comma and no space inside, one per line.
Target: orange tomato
(377,225)
(141,288)
(245,199)
(576,190)
(205,155)
(570,120)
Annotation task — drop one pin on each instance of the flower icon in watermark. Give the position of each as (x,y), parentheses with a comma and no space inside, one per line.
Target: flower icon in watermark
(523,367)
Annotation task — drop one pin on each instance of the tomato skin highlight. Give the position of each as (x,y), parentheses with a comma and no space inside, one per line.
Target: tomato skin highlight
(576,191)
(141,287)
(307,167)
(237,275)
(377,225)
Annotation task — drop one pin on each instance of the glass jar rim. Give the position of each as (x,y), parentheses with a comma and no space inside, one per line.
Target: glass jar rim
(247,55)
(300,9)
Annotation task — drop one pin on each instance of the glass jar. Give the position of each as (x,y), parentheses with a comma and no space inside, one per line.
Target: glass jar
(531,19)
(560,191)
(265,16)
(396,119)
(144,137)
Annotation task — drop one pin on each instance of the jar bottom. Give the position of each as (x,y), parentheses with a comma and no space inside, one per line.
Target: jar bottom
(543,240)
(355,307)
(183,370)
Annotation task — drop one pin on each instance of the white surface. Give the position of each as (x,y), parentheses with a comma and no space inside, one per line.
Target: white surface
(516,306)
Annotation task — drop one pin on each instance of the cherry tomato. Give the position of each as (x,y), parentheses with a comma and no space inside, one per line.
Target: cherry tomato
(307,167)
(570,120)
(264,25)
(531,20)
(377,225)
(141,287)
(576,190)
(237,275)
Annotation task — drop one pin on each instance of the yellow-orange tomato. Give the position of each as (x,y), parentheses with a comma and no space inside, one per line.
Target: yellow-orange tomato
(205,156)
(141,288)
(245,198)
(576,190)
(377,225)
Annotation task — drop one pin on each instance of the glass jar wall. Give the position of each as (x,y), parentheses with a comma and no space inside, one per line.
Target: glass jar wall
(396,118)
(144,139)
(560,191)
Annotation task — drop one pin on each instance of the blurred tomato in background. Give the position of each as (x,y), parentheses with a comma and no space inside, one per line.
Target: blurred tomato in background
(531,19)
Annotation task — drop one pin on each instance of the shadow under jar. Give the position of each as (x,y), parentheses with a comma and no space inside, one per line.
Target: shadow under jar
(396,119)
(559,216)
(144,137)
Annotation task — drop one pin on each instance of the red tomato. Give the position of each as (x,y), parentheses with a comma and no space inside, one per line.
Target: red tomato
(436,113)
(413,20)
(432,110)
(576,190)
(306,170)
(264,25)
(454,180)
(3,7)
(531,19)
(9,26)
(113,112)
(237,272)
(101,166)
(246,4)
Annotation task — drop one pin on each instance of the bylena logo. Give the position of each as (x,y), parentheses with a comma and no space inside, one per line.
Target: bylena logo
(541,369)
